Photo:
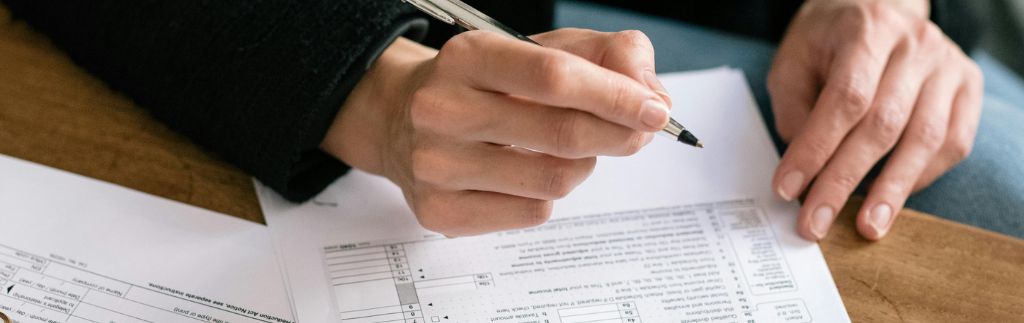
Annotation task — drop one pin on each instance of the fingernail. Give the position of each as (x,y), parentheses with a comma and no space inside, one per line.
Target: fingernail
(821,220)
(655,84)
(790,186)
(879,218)
(654,114)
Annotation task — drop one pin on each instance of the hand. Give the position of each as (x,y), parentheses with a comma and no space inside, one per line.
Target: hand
(854,80)
(483,135)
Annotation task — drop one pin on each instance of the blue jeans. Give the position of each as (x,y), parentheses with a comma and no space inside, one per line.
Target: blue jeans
(986,190)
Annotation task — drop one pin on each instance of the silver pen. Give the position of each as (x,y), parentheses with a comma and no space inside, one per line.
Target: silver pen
(455,12)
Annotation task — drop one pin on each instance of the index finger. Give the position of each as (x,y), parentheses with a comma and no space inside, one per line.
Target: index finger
(629,52)
(556,78)
(846,97)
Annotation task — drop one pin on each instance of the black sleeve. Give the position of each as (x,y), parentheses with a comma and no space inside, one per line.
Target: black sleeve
(257,82)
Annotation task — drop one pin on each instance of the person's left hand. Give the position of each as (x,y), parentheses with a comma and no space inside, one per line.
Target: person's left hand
(854,80)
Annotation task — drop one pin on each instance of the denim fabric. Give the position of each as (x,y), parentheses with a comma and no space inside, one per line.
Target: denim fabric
(986,190)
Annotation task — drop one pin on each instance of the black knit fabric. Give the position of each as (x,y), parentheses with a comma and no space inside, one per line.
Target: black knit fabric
(255,81)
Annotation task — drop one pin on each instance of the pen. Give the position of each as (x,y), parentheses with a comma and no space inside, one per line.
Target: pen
(455,12)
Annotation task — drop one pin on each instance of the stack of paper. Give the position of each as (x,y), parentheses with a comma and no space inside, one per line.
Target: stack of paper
(672,234)
(74,249)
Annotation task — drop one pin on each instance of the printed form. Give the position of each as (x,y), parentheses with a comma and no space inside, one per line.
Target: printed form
(74,249)
(672,234)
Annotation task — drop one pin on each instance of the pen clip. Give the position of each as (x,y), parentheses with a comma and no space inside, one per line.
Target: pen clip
(432,9)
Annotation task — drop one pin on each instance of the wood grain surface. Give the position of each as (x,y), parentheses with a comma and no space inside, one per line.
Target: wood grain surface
(54,113)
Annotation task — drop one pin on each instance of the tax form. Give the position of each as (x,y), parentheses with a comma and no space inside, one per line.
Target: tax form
(74,249)
(672,234)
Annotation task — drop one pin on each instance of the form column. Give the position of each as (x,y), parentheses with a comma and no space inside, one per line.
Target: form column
(726,246)
(404,284)
(383,270)
(758,251)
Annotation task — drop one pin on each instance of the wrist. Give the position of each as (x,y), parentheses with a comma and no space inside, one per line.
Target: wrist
(361,130)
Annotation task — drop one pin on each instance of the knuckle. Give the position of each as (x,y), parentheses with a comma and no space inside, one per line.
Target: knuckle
(932,41)
(863,22)
(634,38)
(816,151)
(928,32)
(856,21)
(854,15)
(844,181)
(536,213)
(430,221)
(893,186)
(943,53)
(567,141)
(473,38)
(888,120)
(636,141)
(553,72)
(910,42)
(433,215)
(931,134)
(620,108)
(458,46)
(854,100)
(885,13)
(429,166)
(464,49)
(575,31)
(558,179)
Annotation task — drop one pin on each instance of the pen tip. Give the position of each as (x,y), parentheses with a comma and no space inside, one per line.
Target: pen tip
(699,144)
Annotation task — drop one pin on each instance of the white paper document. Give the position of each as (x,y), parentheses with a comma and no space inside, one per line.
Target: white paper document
(672,234)
(74,249)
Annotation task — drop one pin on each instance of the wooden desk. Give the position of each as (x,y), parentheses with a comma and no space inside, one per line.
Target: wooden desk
(53,113)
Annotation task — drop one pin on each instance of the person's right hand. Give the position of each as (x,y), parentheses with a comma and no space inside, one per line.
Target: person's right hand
(483,135)
(856,83)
